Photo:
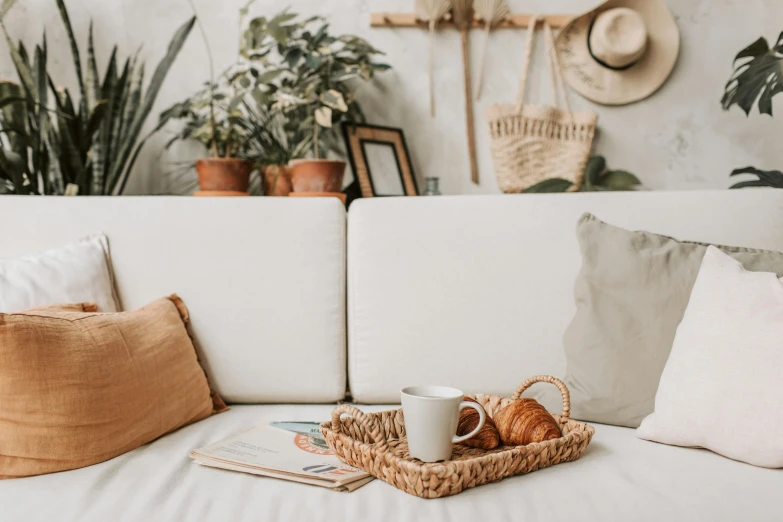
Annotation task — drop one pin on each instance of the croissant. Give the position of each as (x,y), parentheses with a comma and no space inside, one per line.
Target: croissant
(524,421)
(487,437)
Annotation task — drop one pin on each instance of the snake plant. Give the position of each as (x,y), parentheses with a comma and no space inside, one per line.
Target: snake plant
(52,142)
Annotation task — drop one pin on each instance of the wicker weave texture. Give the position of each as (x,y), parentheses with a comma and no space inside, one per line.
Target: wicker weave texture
(531,143)
(376,443)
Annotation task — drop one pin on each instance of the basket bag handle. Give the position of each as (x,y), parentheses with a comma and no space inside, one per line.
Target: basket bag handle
(552,380)
(555,74)
(369,424)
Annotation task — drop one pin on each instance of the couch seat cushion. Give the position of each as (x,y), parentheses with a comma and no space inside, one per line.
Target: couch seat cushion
(619,477)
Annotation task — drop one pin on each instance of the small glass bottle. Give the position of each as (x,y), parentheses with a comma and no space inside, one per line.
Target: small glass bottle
(431,187)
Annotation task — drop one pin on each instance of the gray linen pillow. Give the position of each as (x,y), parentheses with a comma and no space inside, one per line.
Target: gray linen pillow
(631,295)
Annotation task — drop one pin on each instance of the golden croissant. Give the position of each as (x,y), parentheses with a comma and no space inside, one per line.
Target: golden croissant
(487,437)
(524,421)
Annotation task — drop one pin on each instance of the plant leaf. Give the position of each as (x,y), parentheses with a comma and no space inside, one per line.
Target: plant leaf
(5,7)
(323,116)
(20,62)
(93,85)
(127,154)
(766,178)
(756,80)
(596,166)
(334,99)
(12,164)
(619,180)
(14,111)
(754,50)
(548,186)
(77,63)
(753,183)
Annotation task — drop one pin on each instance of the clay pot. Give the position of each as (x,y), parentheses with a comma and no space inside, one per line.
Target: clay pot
(277,180)
(339,195)
(223,174)
(317,175)
(218,194)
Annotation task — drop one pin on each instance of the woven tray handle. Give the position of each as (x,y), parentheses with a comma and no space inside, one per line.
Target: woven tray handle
(552,380)
(366,423)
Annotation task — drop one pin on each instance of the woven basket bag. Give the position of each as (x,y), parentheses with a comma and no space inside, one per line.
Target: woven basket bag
(376,443)
(531,143)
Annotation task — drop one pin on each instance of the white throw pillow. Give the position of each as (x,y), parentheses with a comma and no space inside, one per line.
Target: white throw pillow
(76,273)
(722,388)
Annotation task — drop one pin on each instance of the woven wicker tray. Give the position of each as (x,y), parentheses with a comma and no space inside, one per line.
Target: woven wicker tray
(375,442)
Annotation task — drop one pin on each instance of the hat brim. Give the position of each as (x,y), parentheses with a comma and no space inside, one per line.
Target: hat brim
(620,87)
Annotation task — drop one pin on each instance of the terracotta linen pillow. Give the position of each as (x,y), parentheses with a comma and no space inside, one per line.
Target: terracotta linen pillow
(78,387)
(631,294)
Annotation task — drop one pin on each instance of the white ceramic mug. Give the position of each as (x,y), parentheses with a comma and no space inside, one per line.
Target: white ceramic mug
(431,415)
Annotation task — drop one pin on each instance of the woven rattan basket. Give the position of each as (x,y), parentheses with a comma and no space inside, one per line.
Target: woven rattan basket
(532,143)
(375,442)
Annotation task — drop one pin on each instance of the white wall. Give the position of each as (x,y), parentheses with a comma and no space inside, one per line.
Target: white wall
(678,139)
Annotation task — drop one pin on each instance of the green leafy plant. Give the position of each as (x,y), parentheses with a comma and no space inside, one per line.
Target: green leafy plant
(291,85)
(56,143)
(764,178)
(757,78)
(598,178)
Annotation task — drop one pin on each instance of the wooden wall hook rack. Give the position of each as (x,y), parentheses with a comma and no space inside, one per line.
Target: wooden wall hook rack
(514,21)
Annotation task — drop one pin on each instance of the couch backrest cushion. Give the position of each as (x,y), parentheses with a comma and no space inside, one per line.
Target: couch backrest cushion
(263,278)
(476,292)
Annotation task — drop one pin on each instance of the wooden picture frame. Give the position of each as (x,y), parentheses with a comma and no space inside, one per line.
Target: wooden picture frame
(371,147)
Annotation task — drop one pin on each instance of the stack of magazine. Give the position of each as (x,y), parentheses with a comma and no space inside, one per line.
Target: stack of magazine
(293,451)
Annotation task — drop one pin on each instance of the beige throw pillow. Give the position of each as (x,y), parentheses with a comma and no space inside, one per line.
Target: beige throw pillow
(79,387)
(631,294)
(721,386)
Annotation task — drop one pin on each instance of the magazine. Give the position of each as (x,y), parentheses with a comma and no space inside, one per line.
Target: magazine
(294,451)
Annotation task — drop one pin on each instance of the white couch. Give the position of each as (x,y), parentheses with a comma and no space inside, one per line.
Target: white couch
(472,292)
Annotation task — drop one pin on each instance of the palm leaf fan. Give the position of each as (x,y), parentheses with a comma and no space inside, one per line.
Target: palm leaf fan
(462,11)
(491,12)
(431,11)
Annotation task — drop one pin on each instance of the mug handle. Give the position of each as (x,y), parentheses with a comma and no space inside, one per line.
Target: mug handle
(482,420)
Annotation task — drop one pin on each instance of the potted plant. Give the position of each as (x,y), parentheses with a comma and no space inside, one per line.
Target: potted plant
(305,82)
(276,107)
(756,80)
(215,117)
(56,143)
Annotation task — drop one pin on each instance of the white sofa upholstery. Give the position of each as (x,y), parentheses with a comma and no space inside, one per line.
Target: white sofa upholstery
(471,291)
(477,292)
(263,278)
(618,479)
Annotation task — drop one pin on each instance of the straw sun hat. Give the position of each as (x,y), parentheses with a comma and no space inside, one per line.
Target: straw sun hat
(620,52)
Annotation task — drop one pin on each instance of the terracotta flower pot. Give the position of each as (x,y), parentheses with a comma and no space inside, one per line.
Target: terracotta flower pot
(317,175)
(277,180)
(223,174)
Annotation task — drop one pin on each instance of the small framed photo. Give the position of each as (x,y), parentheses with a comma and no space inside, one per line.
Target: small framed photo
(380,161)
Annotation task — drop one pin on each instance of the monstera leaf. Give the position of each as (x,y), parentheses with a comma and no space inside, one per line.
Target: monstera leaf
(765,178)
(757,77)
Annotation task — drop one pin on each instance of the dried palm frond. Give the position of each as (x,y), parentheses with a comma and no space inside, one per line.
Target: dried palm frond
(462,11)
(491,12)
(431,11)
